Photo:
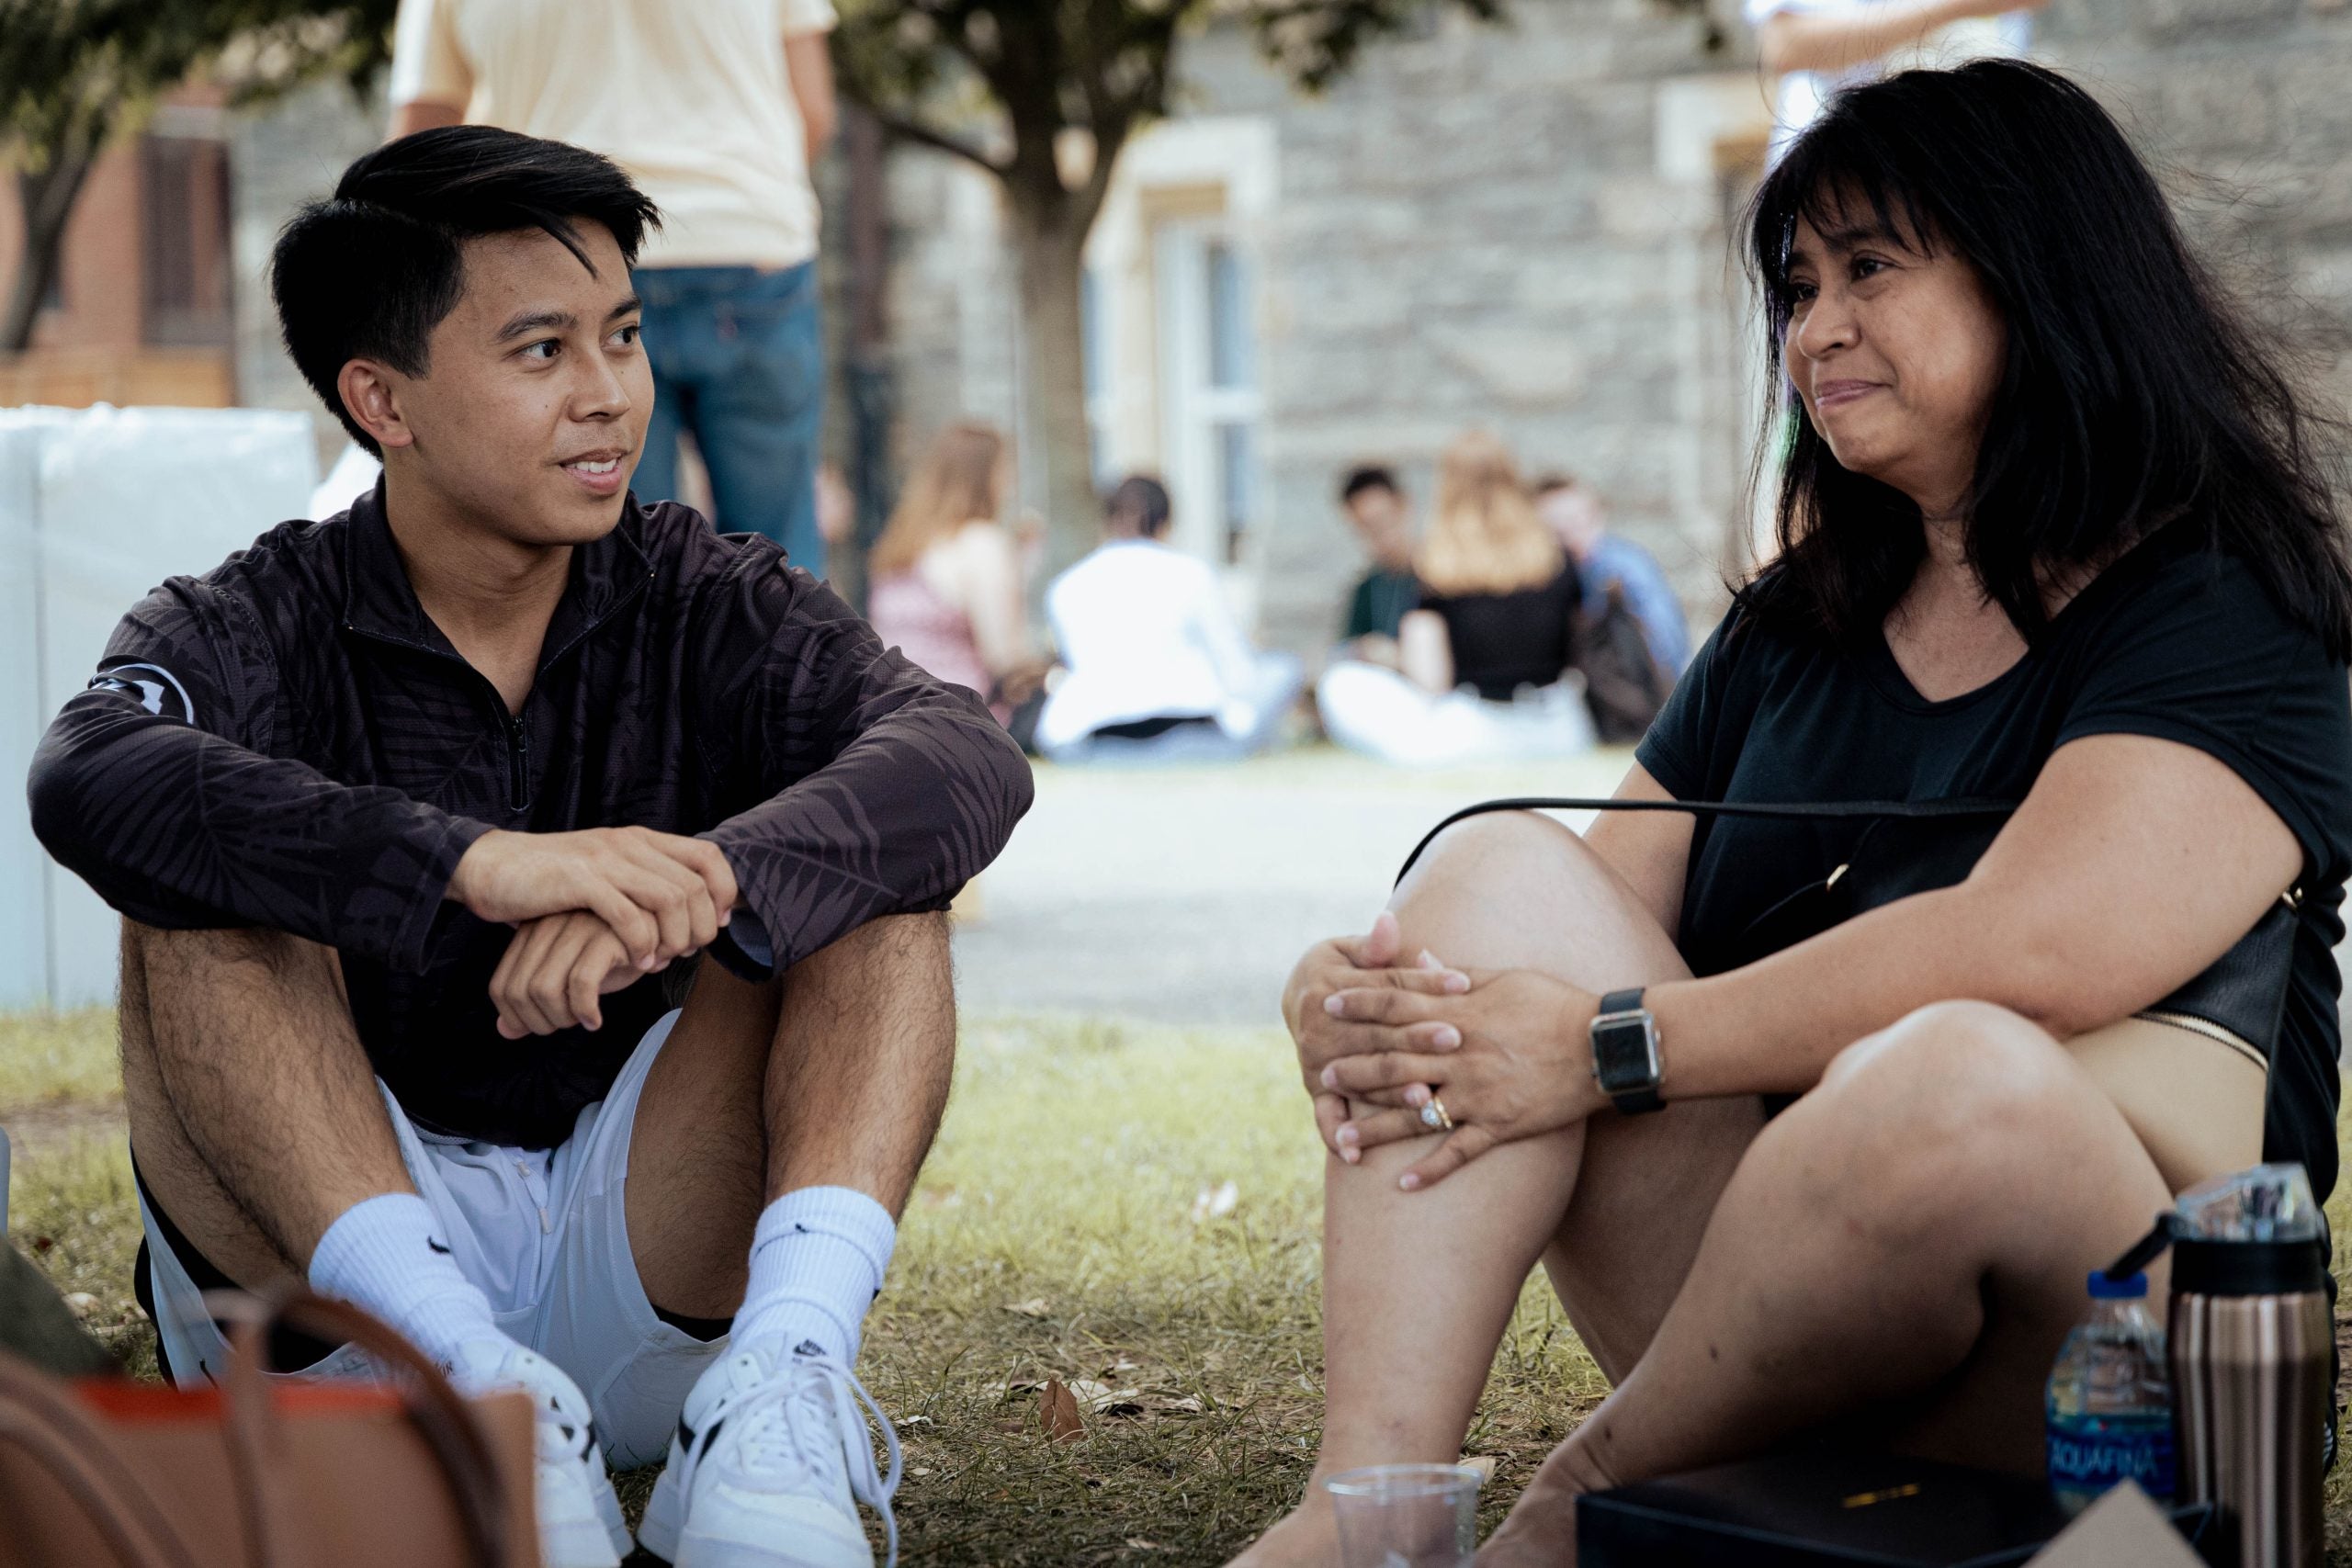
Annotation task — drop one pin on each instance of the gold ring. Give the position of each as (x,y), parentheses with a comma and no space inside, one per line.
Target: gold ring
(1434,1118)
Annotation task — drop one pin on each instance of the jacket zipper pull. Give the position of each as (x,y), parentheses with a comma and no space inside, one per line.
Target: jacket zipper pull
(519,762)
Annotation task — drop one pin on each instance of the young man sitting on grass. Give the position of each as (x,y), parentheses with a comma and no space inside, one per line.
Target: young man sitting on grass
(413,816)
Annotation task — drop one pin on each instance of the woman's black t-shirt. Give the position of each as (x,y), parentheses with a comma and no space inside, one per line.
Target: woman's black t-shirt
(1504,641)
(2173,642)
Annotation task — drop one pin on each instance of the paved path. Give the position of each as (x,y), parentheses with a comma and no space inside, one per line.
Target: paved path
(1184,896)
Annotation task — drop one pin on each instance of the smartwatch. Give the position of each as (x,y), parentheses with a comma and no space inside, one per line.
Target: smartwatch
(1625,1059)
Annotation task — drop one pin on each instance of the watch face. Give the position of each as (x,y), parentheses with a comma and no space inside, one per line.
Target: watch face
(1624,1054)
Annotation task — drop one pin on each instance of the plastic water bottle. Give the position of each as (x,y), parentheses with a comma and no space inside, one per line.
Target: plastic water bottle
(2109,1401)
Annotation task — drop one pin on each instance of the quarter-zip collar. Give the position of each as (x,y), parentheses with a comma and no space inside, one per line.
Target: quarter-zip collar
(379,602)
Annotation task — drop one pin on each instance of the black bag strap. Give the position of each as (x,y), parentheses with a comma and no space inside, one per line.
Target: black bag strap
(1806,810)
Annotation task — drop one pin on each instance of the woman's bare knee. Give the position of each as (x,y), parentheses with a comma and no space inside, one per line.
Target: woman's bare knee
(1512,889)
(1939,1116)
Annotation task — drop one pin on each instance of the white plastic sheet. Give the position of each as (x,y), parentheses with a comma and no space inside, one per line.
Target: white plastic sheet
(96,507)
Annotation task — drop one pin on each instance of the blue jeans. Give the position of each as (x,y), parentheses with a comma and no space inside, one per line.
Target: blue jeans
(739,359)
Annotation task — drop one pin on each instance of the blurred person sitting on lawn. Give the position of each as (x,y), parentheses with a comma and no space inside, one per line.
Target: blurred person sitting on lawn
(718,109)
(418,818)
(1377,510)
(946,585)
(1484,661)
(1155,667)
(1604,561)
(2054,530)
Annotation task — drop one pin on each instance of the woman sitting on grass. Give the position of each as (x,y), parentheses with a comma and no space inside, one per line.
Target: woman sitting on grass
(1484,661)
(2051,531)
(946,588)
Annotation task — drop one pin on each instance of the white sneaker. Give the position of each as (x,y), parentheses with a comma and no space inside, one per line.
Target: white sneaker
(771,1461)
(579,1519)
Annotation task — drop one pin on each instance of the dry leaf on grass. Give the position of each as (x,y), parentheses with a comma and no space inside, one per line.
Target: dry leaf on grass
(1058,1412)
(1137,1543)
(1036,1307)
(1189,1405)
(1483,1463)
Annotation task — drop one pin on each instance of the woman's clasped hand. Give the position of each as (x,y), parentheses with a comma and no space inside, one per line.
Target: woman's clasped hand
(1506,1052)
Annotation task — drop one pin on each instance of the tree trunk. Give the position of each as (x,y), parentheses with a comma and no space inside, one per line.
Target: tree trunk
(867,377)
(46,199)
(1051,249)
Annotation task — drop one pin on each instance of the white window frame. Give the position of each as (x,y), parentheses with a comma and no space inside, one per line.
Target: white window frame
(1194,410)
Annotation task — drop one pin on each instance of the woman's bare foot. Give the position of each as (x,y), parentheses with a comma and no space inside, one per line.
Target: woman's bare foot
(1306,1537)
(1541,1530)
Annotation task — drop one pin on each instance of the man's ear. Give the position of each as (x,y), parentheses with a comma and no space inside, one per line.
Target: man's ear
(370,394)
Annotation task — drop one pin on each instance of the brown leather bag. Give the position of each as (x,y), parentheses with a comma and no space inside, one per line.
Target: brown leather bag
(261,1475)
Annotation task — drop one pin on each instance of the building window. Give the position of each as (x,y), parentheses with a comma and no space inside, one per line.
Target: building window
(1210,400)
(184,230)
(1094,350)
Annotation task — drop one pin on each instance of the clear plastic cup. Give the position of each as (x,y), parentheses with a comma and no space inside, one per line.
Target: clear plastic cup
(1406,1515)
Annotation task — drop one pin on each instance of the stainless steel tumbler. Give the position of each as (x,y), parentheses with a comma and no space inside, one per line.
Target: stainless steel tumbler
(2249,1342)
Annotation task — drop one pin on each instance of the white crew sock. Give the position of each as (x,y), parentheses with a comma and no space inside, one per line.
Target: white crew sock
(388,1255)
(818,1258)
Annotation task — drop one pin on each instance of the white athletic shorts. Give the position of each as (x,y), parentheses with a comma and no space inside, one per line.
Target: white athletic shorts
(545,1233)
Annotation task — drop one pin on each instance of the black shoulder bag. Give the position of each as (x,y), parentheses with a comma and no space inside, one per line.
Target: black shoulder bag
(1918,846)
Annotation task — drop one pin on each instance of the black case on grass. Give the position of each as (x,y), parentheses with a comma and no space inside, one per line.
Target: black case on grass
(1831,1509)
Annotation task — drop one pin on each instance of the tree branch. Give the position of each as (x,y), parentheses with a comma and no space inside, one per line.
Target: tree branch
(914,131)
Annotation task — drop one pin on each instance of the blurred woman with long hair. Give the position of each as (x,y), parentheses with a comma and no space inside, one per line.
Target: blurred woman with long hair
(1485,657)
(945,575)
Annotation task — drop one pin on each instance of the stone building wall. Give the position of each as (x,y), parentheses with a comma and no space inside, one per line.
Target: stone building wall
(1473,228)
(2244,107)
(1529,229)
(1474,232)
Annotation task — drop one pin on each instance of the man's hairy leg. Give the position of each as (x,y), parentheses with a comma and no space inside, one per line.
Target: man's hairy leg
(841,1084)
(253,1109)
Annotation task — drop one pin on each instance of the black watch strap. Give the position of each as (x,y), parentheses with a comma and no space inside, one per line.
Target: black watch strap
(1634,1100)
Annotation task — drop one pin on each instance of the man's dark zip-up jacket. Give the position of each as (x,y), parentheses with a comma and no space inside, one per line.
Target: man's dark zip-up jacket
(290,742)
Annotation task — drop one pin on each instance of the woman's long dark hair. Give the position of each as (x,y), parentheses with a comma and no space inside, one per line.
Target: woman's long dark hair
(2134,395)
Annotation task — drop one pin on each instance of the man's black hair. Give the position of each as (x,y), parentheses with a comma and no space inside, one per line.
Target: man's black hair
(1370,475)
(368,272)
(2134,394)
(1140,500)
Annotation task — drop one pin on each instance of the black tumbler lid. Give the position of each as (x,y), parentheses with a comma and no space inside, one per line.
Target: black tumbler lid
(2249,1267)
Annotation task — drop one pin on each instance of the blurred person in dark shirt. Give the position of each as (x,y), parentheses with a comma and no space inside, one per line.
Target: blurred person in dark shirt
(1484,660)
(1377,509)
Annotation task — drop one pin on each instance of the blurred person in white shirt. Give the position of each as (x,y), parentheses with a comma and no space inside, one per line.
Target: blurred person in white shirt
(718,109)
(1156,666)
(1815,47)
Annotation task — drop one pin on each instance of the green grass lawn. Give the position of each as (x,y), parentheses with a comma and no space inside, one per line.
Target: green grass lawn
(1068,1225)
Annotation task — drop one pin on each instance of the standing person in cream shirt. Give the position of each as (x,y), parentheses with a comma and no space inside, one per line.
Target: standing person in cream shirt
(717,109)
(1815,47)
